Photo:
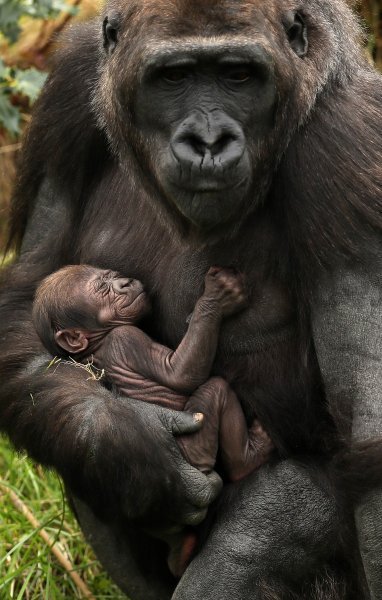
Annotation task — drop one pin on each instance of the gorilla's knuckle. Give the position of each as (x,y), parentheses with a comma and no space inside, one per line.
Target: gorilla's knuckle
(175,425)
(194,517)
(207,492)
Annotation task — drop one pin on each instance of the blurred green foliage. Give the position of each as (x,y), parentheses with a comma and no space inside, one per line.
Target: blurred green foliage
(25,82)
(11,12)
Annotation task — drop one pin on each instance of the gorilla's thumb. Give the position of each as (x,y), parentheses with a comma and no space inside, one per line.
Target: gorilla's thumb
(184,422)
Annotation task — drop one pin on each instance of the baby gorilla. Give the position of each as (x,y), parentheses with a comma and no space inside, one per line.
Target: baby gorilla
(90,312)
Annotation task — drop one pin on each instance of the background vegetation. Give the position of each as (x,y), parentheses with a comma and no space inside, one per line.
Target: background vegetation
(42,553)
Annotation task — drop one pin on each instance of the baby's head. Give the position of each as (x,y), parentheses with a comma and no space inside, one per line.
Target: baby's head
(79,302)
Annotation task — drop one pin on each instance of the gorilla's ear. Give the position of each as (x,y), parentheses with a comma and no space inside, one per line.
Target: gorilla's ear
(110,29)
(72,340)
(297,32)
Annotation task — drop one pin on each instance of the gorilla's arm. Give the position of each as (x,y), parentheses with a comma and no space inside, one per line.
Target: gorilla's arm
(100,444)
(347,322)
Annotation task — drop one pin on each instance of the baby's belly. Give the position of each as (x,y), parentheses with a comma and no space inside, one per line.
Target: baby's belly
(135,386)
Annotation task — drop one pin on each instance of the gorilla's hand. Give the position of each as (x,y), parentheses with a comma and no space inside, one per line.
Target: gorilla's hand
(277,520)
(133,462)
(119,456)
(165,487)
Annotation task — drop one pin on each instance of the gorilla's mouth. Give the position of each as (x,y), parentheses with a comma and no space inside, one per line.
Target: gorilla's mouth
(205,188)
(211,188)
(207,208)
(208,202)
(128,304)
(210,185)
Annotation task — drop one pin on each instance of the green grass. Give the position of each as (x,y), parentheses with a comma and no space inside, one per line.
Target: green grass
(6,259)
(28,568)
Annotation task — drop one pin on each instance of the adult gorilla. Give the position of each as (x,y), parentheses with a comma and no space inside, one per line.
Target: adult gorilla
(179,135)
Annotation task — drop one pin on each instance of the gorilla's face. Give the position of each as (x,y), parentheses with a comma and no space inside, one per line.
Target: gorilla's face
(205,113)
(202,111)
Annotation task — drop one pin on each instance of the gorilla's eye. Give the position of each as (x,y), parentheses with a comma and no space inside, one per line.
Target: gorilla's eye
(101,286)
(297,33)
(239,75)
(255,72)
(174,75)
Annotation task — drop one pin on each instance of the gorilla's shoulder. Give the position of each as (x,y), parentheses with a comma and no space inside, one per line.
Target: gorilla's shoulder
(74,68)
(64,132)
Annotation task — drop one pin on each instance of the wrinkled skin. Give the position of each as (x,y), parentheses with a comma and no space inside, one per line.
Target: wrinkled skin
(150,154)
(95,313)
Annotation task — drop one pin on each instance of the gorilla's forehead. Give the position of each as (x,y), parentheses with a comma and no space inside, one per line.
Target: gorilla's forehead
(180,17)
(201,7)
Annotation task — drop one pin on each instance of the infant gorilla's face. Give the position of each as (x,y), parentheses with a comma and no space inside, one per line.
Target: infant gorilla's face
(117,300)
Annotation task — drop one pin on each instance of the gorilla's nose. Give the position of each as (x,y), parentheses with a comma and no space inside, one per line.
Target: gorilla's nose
(210,141)
(122,285)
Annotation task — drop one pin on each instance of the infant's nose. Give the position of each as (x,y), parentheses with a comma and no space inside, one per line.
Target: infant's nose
(122,284)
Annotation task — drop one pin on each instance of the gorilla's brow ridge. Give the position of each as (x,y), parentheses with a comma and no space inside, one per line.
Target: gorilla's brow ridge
(160,51)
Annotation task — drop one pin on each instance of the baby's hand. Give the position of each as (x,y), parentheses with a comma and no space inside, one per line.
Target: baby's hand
(225,287)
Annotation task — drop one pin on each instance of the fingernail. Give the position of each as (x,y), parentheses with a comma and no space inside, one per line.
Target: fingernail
(198,417)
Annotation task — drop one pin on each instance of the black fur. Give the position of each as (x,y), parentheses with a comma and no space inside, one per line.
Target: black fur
(318,206)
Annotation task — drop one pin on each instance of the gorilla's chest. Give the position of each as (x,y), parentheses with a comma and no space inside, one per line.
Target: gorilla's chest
(173,273)
(268,316)
(258,348)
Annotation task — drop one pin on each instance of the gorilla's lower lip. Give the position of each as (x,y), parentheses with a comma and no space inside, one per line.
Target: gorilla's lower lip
(206,188)
(210,186)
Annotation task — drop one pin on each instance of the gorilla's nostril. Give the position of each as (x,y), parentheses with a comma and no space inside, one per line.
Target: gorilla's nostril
(215,147)
(197,144)
(221,144)
(122,285)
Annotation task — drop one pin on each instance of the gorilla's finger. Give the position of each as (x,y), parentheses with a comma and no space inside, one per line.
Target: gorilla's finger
(216,484)
(194,516)
(200,489)
(183,422)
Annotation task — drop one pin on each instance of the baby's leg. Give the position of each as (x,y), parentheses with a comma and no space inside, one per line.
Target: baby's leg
(200,448)
(224,428)
(182,546)
(242,450)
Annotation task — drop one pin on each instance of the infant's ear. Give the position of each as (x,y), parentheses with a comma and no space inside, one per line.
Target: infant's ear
(72,340)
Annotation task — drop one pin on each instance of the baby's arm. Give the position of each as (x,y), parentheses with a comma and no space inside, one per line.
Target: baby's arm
(190,364)
(184,369)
